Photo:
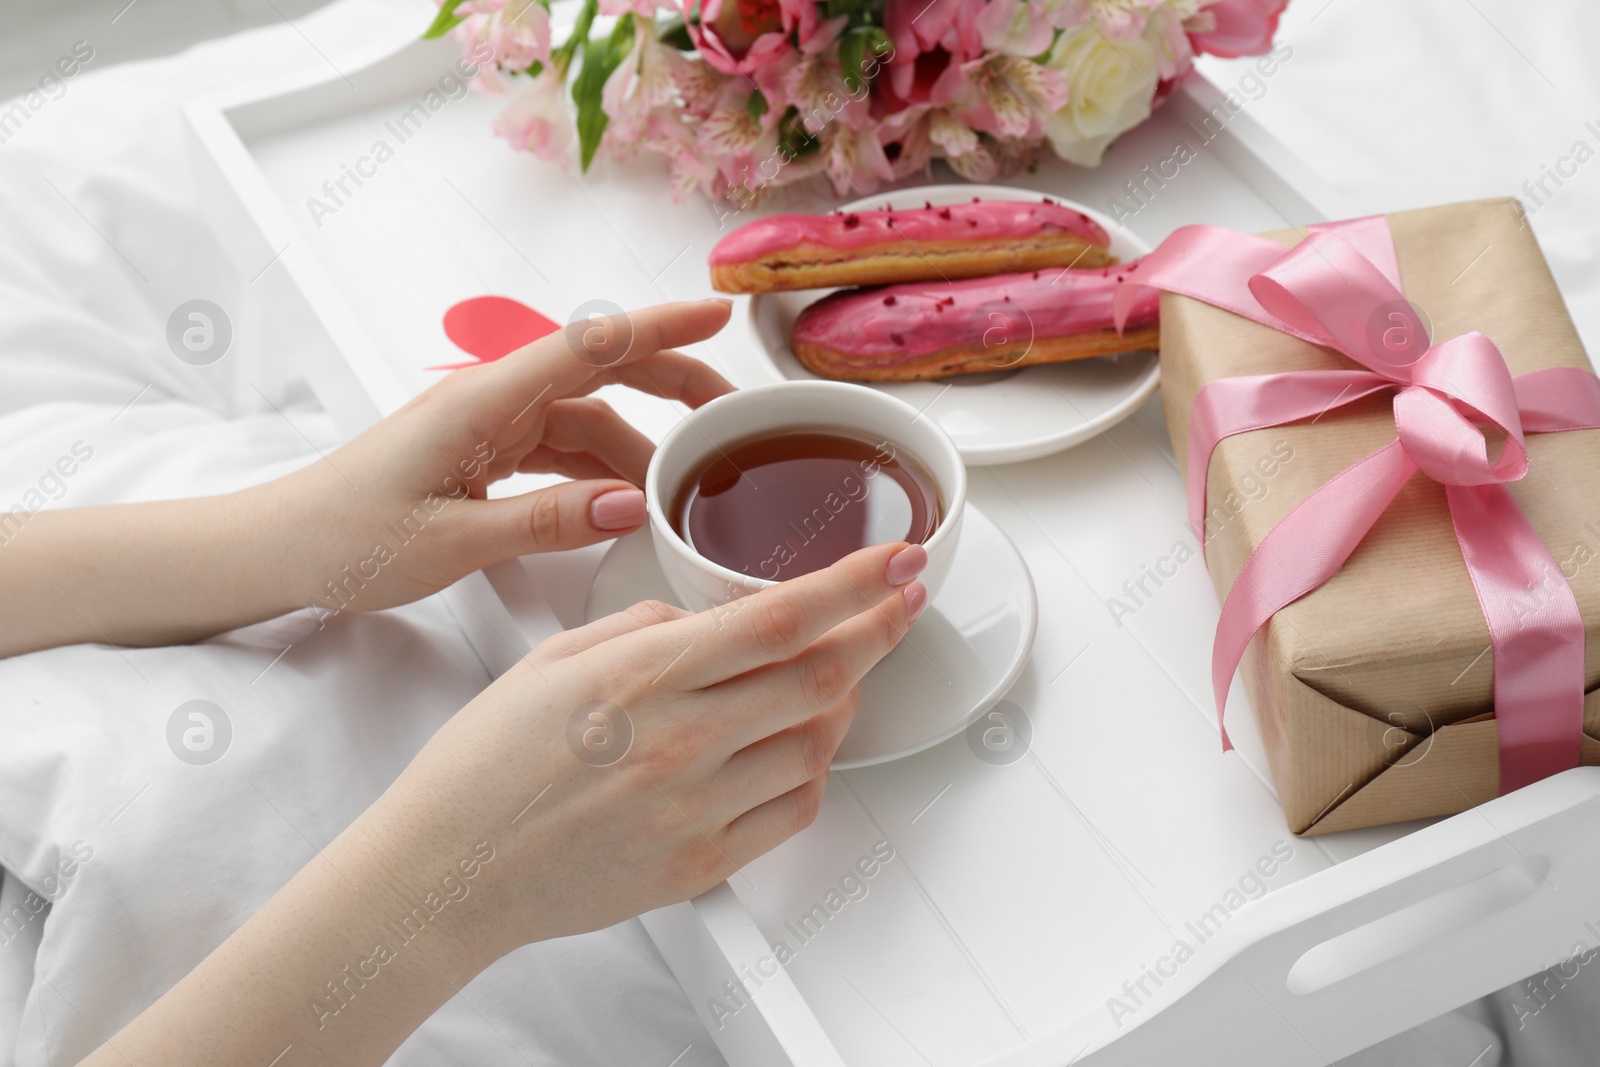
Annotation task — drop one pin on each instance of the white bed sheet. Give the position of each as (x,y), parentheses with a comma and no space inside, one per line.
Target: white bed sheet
(102,238)
(1394,106)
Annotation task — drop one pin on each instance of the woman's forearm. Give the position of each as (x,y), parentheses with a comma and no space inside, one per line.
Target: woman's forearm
(356,952)
(147,574)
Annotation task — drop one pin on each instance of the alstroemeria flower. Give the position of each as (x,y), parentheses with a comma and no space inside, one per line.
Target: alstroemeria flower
(985,85)
(1002,95)
(816,55)
(1013,155)
(1167,32)
(675,141)
(906,143)
(1120,20)
(642,8)
(816,87)
(922,133)
(855,160)
(962,148)
(701,86)
(537,120)
(645,81)
(1016,27)
(740,145)
(1234,28)
(515,32)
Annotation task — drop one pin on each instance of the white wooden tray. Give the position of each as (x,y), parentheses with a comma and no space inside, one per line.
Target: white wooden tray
(1122,894)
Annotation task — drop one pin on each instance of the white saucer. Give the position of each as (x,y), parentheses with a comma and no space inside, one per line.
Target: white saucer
(1005,417)
(962,655)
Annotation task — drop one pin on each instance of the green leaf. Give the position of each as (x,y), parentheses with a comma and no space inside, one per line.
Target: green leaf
(622,34)
(794,140)
(446,20)
(673,33)
(852,50)
(601,57)
(854,47)
(756,104)
(561,56)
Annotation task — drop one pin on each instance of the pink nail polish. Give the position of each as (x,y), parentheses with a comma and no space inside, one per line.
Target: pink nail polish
(620,509)
(906,564)
(916,595)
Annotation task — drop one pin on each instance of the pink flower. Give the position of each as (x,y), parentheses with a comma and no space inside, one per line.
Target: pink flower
(855,160)
(1167,33)
(922,27)
(812,33)
(961,147)
(743,148)
(1236,27)
(739,36)
(537,119)
(645,81)
(690,171)
(816,87)
(1016,27)
(1002,95)
(905,136)
(807,71)
(513,34)
(642,8)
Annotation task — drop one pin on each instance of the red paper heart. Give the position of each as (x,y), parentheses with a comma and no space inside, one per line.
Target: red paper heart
(490,327)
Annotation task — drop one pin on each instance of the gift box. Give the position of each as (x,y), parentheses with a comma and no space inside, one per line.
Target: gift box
(1375,692)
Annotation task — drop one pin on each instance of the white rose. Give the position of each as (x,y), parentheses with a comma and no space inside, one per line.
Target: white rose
(1111,85)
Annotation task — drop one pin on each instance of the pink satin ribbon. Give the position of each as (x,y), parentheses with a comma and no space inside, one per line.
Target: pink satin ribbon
(1340,288)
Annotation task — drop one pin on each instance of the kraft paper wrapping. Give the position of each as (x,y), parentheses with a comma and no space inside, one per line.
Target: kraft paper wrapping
(1374,693)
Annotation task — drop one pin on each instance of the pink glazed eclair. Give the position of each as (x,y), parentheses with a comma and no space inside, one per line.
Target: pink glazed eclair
(918,331)
(784,252)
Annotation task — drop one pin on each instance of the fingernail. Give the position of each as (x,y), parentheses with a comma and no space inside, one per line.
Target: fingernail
(906,564)
(916,595)
(723,300)
(617,510)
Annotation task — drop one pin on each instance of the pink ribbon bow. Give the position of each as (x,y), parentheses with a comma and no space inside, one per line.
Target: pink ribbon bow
(1340,287)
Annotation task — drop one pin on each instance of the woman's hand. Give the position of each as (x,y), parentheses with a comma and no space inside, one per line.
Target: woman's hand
(401,511)
(641,759)
(715,738)
(398,513)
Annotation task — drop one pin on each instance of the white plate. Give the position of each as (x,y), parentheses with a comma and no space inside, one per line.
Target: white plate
(1005,417)
(962,655)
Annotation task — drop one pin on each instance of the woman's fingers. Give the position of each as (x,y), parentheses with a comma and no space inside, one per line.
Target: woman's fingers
(563,363)
(781,695)
(582,638)
(578,466)
(766,826)
(780,621)
(785,760)
(562,516)
(590,425)
(668,374)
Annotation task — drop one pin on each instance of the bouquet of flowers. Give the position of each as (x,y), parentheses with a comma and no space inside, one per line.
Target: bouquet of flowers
(741,96)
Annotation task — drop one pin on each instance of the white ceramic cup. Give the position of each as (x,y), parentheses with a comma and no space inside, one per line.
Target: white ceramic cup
(854,410)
